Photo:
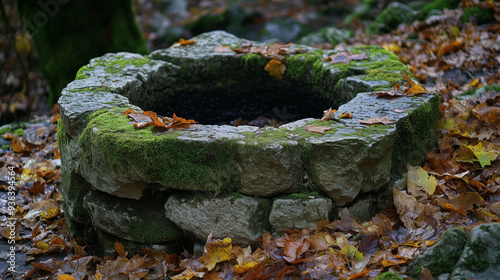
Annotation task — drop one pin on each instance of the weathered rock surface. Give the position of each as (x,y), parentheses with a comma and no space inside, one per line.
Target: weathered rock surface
(460,256)
(299,212)
(442,257)
(241,218)
(480,258)
(102,150)
(135,220)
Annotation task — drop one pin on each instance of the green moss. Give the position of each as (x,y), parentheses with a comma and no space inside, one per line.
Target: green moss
(388,275)
(480,14)
(437,5)
(165,158)
(5,147)
(253,61)
(80,75)
(477,92)
(116,65)
(390,18)
(153,227)
(305,195)
(415,134)
(19,132)
(371,130)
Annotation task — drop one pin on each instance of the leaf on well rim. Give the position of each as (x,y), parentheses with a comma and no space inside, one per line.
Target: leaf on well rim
(377,120)
(317,129)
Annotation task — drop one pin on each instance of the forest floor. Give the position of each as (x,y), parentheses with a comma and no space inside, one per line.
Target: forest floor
(462,187)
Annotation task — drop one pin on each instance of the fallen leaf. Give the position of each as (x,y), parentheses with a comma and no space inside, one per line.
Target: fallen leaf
(484,157)
(377,120)
(346,115)
(65,277)
(217,251)
(415,90)
(396,92)
(187,42)
(418,179)
(328,114)
(223,49)
(317,129)
(275,68)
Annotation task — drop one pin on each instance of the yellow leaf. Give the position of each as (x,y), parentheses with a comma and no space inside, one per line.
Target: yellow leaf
(418,178)
(65,277)
(415,90)
(50,213)
(484,157)
(42,245)
(244,267)
(98,276)
(218,251)
(352,252)
(275,68)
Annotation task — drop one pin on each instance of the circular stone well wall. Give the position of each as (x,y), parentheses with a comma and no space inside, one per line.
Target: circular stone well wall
(232,181)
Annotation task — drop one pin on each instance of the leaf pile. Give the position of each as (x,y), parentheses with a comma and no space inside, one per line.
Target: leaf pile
(411,89)
(149,118)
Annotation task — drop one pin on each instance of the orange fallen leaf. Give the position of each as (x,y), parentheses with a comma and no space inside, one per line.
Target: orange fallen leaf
(275,68)
(328,114)
(346,115)
(416,89)
(187,42)
(317,129)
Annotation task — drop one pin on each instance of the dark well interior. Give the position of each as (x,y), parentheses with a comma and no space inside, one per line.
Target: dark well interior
(219,105)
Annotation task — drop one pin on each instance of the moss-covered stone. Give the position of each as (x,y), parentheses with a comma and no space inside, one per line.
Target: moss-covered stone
(442,257)
(347,163)
(477,92)
(479,15)
(437,5)
(392,16)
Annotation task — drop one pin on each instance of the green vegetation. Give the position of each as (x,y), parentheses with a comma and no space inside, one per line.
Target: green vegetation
(481,15)
(165,158)
(437,5)
(388,275)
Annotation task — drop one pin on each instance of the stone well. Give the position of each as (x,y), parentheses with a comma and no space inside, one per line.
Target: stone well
(146,188)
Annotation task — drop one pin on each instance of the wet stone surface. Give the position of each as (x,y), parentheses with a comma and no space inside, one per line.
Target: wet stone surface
(351,165)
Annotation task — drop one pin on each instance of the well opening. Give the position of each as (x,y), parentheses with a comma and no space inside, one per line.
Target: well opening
(221,105)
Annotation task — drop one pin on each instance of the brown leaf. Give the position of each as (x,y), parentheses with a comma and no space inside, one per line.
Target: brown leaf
(223,49)
(120,250)
(317,129)
(377,120)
